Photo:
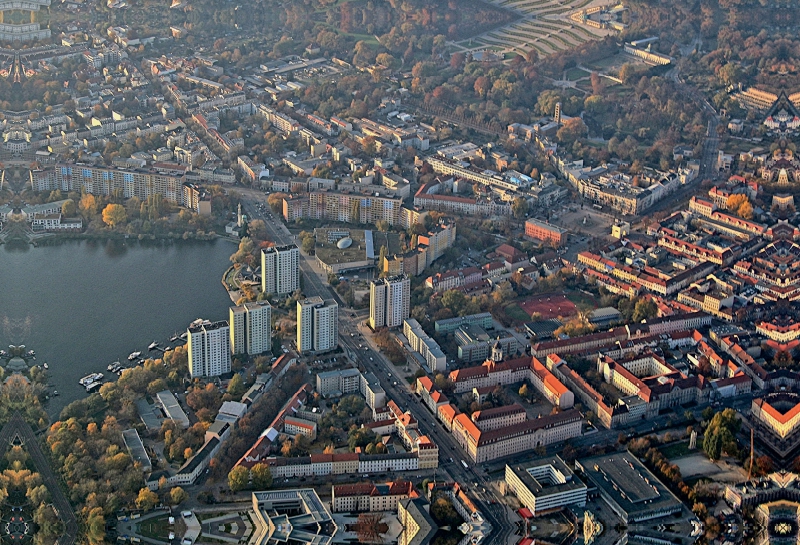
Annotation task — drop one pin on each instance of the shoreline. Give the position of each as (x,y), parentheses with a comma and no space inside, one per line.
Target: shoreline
(59,238)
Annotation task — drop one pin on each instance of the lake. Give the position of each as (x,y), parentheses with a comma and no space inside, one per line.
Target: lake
(81,305)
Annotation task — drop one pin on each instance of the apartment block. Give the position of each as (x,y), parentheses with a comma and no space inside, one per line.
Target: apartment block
(108,180)
(317,324)
(389,301)
(342,382)
(280,269)
(209,348)
(420,342)
(251,328)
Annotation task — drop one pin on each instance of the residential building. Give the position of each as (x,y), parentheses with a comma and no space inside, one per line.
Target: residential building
(209,348)
(345,207)
(427,347)
(280,269)
(102,180)
(251,328)
(389,301)
(317,324)
(374,394)
(300,426)
(341,382)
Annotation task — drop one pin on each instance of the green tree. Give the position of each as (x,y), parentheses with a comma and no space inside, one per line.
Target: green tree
(236,386)
(644,309)
(95,526)
(307,244)
(262,476)
(720,435)
(519,207)
(238,478)
(69,209)
(114,215)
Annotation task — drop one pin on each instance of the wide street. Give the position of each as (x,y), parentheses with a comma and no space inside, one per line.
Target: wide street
(475,478)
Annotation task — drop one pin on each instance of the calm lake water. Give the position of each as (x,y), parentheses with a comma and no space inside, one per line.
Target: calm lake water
(81,305)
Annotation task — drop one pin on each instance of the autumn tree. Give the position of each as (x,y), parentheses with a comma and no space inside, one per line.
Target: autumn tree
(178,495)
(114,215)
(147,499)
(482,86)
(88,205)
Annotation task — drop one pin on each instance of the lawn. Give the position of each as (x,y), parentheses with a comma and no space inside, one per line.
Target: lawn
(576,73)
(156,528)
(676,450)
(514,312)
(580,298)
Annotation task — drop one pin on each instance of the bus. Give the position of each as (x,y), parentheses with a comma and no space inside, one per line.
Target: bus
(463,463)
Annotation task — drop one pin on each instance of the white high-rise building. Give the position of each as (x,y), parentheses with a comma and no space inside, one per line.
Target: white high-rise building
(317,324)
(209,348)
(280,269)
(251,328)
(236,322)
(389,301)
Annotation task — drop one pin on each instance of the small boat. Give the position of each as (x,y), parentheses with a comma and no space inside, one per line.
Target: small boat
(55,393)
(94,386)
(31,353)
(119,372)
(46,366)
(114,366)
(174,338)
(134,355)
(153,345)
(89,379)
(183,335)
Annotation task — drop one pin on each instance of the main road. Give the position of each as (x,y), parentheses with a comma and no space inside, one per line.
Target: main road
(362,350)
